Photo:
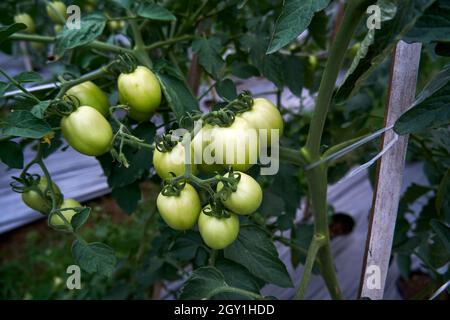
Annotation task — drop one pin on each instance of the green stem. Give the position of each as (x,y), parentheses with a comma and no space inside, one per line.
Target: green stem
(242,292)
(170,41)
(47,39)
(87,77)
(317,242)
(18,85)
(213,257)
(317,177)
(139,46)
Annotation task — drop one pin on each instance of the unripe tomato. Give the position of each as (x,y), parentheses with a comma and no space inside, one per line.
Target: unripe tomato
(87,131)
(89,94)
(141,91)
(235,146)
(312,62)
(26,19)
(56,10)
(172,161)
(56,220)
(264,115)
(218,233)
(40,200)
(180,212)
(247,198)
(115,25)
(57,28)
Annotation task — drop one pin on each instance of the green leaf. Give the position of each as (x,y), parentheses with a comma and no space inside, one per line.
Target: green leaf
(243,70)
(126,4)
(23,123)
(39,110)
(443,196)
(294,19)
(94,257)
(177,94)
(11,154)
(443,232)
(318,29)
(127,197)
(91,27)
(237,276)
(226,89)
(28,76)
(6,31)
(209,55)
(294,71)
(431,107)
(155,12)
(397,18)
(301,235)
(202,282)
(79,219)
(433,26)
(254,250)
(205,283)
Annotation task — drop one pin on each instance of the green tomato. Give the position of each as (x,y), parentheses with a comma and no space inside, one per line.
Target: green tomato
(27,20)
(141,91)
(172,161)
(38,199)
(264,115)
(180,212)
(57,28)
(87,131)
(247,197)
(115,25)
(235,146)
(56,10)
(218,233)
(56,220)
(89,94)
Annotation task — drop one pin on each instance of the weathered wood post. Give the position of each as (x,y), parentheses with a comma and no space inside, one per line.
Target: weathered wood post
(402,90)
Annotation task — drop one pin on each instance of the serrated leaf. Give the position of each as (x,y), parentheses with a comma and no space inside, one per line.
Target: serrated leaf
(294,19)
(6,31)
(294,71)
(443,195)
(11,154)
(39,110)
(28,76)
(155,12)
(91,27)
(94,257)
(226,89)
(177,94)
(397,18)
(318,29)
(127,197)
(433,26)
(23,123)
(430,109)
(254,250)
(243,70)
(209,56)
(80,218)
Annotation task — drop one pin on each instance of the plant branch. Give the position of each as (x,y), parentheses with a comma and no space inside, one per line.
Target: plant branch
(18,85)
(170,41)
(242,292)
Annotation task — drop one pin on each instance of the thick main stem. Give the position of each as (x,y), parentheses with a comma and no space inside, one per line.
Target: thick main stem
(317,177)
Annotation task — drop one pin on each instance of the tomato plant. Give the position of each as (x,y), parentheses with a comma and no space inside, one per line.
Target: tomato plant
(166,94)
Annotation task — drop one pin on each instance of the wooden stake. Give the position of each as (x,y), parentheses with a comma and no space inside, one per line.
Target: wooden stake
(402,90)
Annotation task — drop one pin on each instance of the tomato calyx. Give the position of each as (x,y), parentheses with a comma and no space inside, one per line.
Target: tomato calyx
(217,210)
(165,142)
(173,187)
(222,118)
(230,184)
(26,183)
(126,63)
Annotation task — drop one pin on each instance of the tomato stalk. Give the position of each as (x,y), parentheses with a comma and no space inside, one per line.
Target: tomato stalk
(99,45)
(317,177)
